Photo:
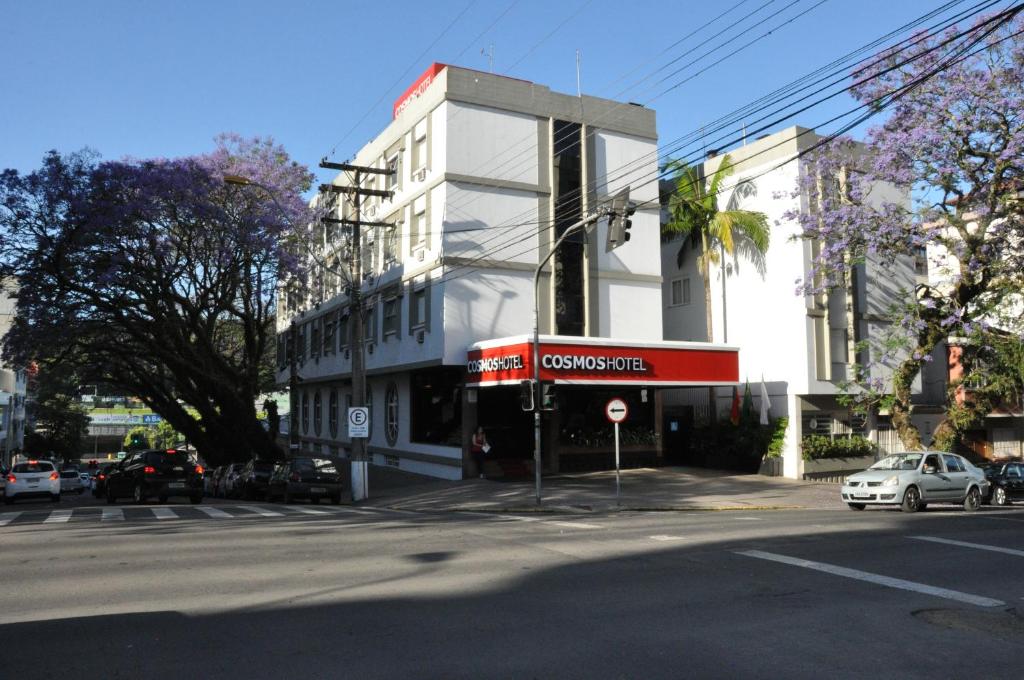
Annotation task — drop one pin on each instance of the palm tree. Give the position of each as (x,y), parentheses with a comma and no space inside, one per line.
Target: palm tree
(693,209)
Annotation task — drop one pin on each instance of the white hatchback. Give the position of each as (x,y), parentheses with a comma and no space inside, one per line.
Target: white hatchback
(36,478)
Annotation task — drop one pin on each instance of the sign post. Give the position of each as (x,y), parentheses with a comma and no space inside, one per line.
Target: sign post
(359,428)
(616,411)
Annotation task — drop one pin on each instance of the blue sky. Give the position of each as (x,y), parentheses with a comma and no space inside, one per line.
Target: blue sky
(146,79)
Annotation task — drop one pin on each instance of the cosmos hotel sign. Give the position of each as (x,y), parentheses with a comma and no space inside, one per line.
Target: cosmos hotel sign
(598,363)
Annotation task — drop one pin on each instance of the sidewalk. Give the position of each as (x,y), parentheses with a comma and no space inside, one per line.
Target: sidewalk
(650,489)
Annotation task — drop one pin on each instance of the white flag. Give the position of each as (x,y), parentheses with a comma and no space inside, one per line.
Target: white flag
(766,404)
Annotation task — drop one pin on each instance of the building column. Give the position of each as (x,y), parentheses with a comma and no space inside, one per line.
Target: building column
(470,399)
(792,462)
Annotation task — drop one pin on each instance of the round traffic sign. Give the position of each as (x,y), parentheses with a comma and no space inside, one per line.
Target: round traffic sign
(358,415)
(616,410)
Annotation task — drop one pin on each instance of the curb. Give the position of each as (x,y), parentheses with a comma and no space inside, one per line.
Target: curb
(583,510)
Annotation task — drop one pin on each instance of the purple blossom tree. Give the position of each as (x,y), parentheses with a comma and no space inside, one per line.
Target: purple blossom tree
(157,277)
(955,142)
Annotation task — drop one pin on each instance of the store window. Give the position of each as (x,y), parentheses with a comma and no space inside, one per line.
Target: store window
(305,412)
(435,407)
(317,413)
(332,413)
(391,414)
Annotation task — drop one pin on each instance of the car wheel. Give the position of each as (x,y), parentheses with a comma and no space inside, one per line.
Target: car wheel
(336,499)
(137,494)
(162,499)
(8,500)
(911,500)
(973,499)
(196,500)
(314,500)
(55,498)
(110,498)
(999,496)
(856,506)
(287,498)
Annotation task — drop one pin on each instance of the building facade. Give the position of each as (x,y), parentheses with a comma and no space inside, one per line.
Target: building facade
(802,346)
(13,387)
(486,173)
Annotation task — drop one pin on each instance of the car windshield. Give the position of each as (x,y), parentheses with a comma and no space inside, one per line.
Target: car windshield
(69,474)
(901,461)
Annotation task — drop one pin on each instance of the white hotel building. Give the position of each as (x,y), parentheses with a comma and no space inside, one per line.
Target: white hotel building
(488,172)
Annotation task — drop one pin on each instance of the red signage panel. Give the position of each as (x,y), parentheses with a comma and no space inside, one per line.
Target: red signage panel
(416,89)
(597,364)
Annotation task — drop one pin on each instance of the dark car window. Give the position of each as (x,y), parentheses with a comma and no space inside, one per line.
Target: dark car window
(263,467)
(1013,471)
(933,461)
(165,458)
(69,474)
(953,464)
(41,466)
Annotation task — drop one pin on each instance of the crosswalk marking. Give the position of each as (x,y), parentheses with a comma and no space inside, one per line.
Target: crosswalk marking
(58,516)
(112,515)
(575,525)
(308,511)
(8,518)
(164,513)
(976,546)
(262,512)
(877,579)
(214,512)
(666,537)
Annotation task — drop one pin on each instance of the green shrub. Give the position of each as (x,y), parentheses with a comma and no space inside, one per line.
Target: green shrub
(778,438)
(816,447)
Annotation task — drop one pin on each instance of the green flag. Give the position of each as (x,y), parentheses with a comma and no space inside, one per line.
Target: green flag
(748,404)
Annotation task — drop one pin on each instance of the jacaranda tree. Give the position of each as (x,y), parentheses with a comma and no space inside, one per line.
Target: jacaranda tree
(157,277)
(954,140)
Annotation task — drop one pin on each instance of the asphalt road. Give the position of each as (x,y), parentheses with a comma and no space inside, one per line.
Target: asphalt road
(265,591)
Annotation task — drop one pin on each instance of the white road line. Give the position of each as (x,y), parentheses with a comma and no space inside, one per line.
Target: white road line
(515,518)
(8,518)
(262,512)
(666,537)
(575,525)
(751,519)
(877,579)
(216,513)
(112,514)
(58,516)
(308,511)
(964,544)
(164,513)
(1004,519)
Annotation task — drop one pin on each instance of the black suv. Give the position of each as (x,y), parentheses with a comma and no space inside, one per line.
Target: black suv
(310,478)
(157,472)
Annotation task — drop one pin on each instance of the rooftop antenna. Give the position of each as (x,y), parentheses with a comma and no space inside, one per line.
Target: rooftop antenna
(579,92)
(489,52)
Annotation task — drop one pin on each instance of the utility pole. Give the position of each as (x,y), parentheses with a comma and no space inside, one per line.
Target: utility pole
(355,193)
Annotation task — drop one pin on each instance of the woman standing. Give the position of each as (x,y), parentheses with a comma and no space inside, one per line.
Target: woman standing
(478,448)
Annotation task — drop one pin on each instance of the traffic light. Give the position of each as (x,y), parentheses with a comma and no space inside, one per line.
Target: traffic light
(547,396)
(526,394)
(619,212)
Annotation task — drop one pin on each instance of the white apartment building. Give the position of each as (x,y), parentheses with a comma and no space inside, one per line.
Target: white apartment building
(488,171)
(801,346)
(13,385)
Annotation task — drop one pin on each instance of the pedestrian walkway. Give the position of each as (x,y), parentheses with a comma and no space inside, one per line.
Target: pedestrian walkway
(167,513)
(654,489)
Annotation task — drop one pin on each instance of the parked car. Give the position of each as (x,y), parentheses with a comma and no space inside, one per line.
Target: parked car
(158,472)
(255,478)
(34,479)
(70,481)
(1006,482)
(311,478)
(913,479)
(232,480)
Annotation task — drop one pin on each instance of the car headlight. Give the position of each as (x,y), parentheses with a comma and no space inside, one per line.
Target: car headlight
(892,481)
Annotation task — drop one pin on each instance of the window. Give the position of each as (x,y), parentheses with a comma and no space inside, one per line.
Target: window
(370,322)
(418,225)
(681,292)
(419,146)
(391,414)
(393,165)
(391,315)
(314,339)
(305,412)
(953,464)
(302,343)
(332,413)
(390,245)
(343,328)
(329,334)
(418,309)
(435,407)
(317,413)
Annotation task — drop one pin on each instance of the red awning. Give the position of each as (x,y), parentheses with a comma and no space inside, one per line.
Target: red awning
(570,360)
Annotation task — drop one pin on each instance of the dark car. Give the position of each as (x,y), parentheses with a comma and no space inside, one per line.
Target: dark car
(1006,482)
(255,478)
(311,478)
(158,472)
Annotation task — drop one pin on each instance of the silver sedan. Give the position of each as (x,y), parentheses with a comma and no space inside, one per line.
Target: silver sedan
(913,479)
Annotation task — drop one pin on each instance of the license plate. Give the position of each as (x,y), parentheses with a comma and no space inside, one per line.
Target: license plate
(177,485)
(317,489)
(862,495)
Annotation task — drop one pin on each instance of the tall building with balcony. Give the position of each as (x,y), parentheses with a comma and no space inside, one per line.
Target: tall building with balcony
(486,173)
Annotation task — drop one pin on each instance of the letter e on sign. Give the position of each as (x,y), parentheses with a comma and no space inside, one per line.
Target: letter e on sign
(358,422)
(616,411)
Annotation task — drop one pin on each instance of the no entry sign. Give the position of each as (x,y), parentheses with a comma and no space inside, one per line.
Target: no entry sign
(616,411)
